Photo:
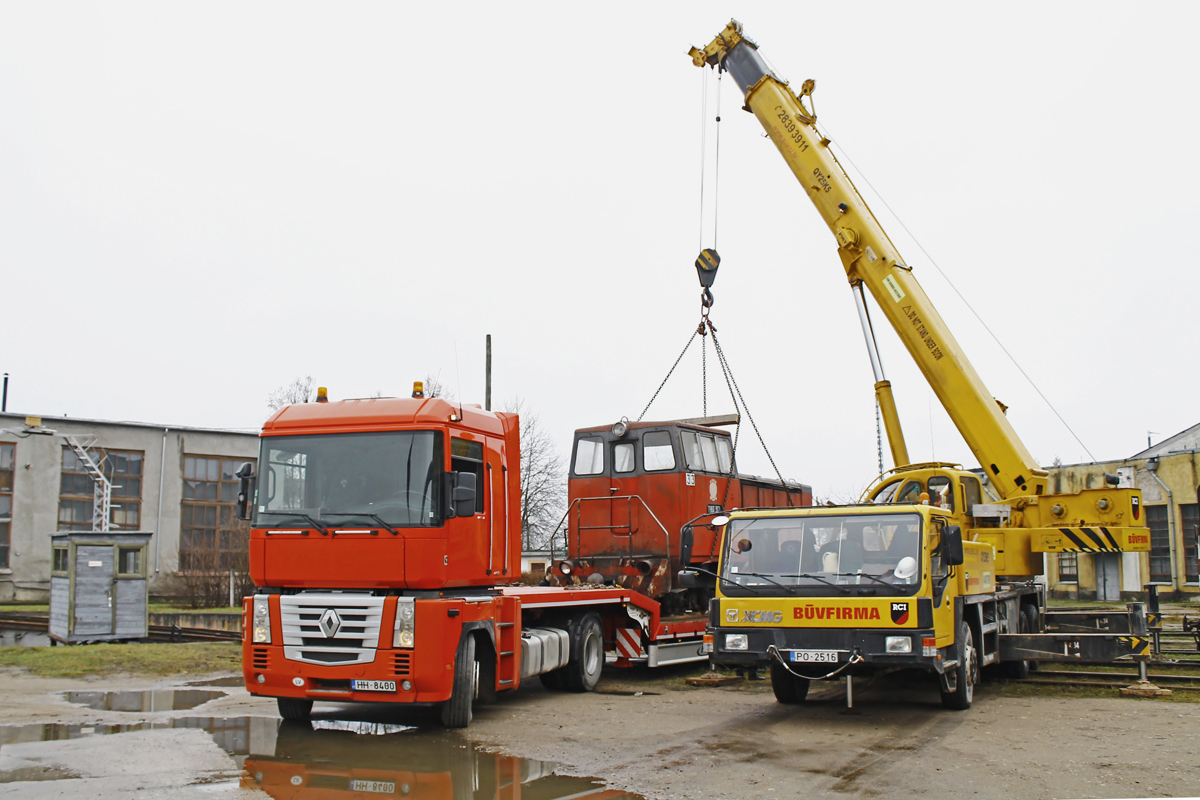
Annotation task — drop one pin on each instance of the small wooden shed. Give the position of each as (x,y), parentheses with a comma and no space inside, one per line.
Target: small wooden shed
(98,586)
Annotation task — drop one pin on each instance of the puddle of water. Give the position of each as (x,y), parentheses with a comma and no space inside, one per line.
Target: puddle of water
(630,693)
(310,759)
(15,638)
(231,680)
(157,700)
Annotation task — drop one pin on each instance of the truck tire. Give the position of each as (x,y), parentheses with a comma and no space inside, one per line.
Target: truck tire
(967,672)
(294,708)
(1019,670)
(456,712)
(789,689)
(582,672)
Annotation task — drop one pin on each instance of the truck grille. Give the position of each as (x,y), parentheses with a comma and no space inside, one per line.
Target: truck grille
(358,616)
(400,664)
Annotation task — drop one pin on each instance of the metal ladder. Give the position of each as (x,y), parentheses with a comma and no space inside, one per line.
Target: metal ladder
(102,496)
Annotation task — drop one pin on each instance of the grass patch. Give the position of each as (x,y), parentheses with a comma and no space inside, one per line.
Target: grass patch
(174,608)
(79,661)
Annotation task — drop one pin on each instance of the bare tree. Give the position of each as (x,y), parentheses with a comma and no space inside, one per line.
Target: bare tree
(543,480)
(298,391)
(435,388)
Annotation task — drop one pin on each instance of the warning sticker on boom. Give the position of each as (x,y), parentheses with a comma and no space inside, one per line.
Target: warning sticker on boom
(894,288)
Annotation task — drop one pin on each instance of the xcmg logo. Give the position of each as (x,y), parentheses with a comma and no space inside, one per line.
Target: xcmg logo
(749,615)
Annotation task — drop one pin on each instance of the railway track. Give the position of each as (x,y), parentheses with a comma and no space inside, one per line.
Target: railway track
(157,633)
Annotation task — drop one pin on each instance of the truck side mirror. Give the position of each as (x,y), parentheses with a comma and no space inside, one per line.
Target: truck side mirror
(462,494)
(687,539)
(245,476)
(952,545)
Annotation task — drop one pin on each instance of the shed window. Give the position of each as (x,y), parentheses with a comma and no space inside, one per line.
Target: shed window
(61,564)
(129,562)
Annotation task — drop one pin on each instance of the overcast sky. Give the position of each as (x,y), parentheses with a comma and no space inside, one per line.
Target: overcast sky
(200,202)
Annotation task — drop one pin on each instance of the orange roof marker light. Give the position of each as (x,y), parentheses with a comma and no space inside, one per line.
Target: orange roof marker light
(418,389)
(322,394)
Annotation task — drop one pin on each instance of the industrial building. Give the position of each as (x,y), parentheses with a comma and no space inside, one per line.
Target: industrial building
(175,482)
(1168,474)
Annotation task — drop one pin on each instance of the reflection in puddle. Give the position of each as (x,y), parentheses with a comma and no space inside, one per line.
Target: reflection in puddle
(14,638)
(157,700)
(298,760)
(229,680)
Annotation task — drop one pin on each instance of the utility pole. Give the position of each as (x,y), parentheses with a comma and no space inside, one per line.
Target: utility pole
(4,402)
(487,395)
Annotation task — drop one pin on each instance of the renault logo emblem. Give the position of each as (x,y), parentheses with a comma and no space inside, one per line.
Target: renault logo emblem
(330,623)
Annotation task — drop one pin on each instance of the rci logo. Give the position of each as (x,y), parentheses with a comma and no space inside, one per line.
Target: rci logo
(899,613)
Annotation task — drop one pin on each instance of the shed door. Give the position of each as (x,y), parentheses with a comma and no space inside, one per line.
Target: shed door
(93,590)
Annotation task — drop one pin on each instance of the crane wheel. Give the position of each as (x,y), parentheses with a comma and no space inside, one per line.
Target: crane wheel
(789,689)
(967,672)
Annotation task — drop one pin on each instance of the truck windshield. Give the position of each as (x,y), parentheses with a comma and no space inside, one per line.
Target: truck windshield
(823,555)
(331,478)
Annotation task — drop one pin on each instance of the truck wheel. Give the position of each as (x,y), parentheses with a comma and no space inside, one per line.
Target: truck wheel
(294,708)
(967,673)
(1019,670)
(456,712)
(789,689)
(582,672)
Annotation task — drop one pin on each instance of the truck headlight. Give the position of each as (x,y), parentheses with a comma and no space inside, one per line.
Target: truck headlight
(898,644)
(260,622)
(737,641)
(405,632)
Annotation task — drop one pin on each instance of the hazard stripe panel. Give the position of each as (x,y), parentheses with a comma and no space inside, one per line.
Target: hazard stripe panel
(629,643)
(1092,541)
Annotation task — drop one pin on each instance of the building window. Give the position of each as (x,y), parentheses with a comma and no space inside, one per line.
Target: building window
(129,562)
(211,538)
(8,454)
(1189,514)
(1068,567)
(123,469)
(1160,544)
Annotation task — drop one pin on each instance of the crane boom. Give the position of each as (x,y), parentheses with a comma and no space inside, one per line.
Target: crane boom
(871,260)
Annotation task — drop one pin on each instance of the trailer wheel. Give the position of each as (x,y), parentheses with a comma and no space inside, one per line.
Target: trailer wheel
(456,712)
(789,689)
(967,673)
(294,708)
(582,672)
(1019,670)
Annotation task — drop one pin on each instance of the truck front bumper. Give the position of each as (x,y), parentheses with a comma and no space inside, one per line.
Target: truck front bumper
(838,645)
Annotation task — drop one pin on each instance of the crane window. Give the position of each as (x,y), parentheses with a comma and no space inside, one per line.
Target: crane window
(941,491)
(657,453)
(972,493)
(623,457)
(910,493)
(589,456)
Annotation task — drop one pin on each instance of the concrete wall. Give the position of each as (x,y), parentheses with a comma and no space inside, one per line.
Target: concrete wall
(38,476)
(1180,471)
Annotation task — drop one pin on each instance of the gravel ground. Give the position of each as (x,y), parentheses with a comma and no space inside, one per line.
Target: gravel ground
(674,741)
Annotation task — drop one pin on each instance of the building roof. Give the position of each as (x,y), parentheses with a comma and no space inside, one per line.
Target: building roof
(8,418)
(1186,441)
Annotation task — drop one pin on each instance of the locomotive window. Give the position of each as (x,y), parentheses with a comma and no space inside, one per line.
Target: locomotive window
(692,456)
(656,451)
(589,456)
(700,452)
(623,457)
(724,454)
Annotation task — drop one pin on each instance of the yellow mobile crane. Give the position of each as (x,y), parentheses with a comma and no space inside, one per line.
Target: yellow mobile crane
(926,572)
